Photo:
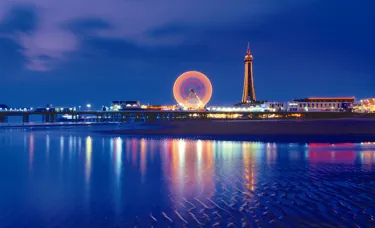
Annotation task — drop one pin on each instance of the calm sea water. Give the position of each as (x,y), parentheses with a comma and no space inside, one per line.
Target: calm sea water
(54,178)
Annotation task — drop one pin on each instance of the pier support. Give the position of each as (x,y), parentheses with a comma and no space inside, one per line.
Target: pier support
(152,117)
(3,119)
(46,118)
(25,119)
(49,118)
(74,118)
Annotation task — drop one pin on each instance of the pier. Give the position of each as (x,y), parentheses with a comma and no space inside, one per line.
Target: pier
(150,116)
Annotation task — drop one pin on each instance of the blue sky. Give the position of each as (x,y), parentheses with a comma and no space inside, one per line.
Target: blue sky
(72,53)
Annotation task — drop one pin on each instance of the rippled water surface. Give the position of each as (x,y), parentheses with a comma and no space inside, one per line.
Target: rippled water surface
(84,179)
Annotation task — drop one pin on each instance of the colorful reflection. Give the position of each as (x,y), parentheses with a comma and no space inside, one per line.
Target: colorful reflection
(48,145)
(61,149)
(143,158)
(271,152)
(31,151)
(154,176)
(88,159)
(249,165)
(188,167)
(329,153)
(367,158)
(116,150)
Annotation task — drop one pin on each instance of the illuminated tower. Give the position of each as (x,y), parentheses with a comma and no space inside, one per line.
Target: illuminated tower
(248,95)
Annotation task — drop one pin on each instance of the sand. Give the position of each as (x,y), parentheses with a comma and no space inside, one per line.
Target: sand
(335,127)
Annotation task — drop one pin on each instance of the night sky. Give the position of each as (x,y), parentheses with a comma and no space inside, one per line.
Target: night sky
(74,52)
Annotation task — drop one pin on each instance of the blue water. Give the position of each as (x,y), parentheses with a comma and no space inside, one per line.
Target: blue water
(79,178)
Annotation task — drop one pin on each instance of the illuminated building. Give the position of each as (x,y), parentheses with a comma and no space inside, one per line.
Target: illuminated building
(367,105)
(258,108)
(329,104)
(125,105)
(276,106)
(248,95)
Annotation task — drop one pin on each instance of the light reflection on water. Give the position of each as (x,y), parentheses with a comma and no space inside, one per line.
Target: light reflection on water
(108,181)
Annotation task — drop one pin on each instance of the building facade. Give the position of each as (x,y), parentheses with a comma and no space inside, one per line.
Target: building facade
(125,105)
(366,105)
(274,106)
(327,104)
(248,95)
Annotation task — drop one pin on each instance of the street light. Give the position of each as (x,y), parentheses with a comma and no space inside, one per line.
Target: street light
(88,106)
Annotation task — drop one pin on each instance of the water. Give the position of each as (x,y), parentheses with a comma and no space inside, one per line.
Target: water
(54,178)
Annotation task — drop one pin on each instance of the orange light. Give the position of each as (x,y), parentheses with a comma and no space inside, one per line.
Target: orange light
(203,79)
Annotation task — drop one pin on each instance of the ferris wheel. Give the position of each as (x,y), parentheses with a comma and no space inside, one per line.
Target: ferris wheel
(192,90)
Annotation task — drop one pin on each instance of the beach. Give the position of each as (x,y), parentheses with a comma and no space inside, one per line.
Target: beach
(356,129)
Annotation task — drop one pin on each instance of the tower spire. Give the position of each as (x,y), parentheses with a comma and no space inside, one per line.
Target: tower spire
(248,95)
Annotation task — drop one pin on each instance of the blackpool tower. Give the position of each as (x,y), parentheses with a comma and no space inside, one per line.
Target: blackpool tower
(248,95)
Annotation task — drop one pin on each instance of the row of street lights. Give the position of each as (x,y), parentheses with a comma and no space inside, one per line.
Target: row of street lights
(88,106)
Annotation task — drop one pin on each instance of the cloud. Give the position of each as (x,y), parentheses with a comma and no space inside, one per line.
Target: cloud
(19,18)
(55,29)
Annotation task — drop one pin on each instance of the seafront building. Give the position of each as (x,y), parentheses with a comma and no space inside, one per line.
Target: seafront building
(365,106)
(331,104)
(119,105)
(327,104)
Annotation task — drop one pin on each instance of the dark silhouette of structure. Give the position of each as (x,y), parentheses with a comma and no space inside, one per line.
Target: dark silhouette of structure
(3,106)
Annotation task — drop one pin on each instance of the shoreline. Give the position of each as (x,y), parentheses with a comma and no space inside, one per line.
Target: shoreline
(338,130)
(320,130)
(299,139)
(60,124)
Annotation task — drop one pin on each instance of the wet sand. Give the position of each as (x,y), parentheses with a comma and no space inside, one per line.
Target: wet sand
(346,129)
(58,124)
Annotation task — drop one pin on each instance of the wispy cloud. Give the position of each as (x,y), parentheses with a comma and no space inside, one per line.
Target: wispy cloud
(49,30)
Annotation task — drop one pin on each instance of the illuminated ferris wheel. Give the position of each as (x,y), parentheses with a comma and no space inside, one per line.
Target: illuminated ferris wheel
(192,90)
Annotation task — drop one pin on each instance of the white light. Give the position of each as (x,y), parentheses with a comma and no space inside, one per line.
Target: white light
(88,105)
